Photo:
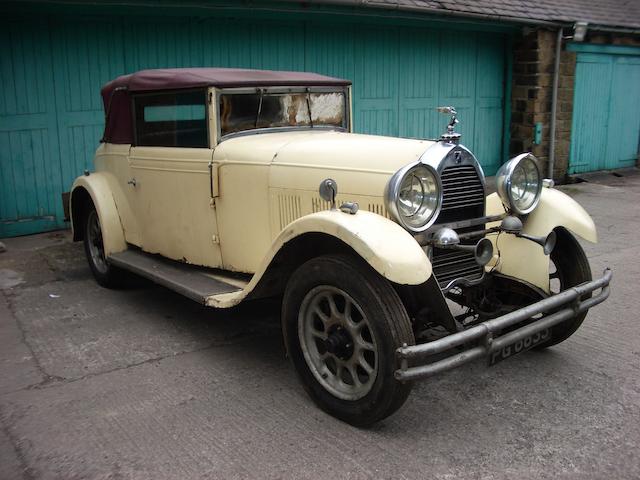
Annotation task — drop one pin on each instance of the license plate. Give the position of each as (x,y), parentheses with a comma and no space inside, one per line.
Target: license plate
(519,346)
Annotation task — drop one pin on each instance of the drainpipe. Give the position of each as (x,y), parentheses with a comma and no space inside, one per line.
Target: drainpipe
(554,106)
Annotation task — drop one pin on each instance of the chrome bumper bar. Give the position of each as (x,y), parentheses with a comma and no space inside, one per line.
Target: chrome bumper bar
(484,337)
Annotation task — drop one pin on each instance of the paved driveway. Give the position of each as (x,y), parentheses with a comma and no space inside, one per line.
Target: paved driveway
(142,383)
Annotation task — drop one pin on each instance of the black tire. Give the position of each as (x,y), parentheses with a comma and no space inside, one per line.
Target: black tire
(385,325)
(105,274)
(572,268)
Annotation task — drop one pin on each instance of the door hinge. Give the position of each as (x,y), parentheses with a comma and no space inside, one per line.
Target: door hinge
(215,239)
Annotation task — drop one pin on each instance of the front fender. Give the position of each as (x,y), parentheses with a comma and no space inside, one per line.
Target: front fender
(524,259)
(383,244)
(98,188)
(557,209)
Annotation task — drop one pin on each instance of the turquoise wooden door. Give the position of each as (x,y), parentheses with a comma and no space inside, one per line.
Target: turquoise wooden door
(400,76)
(605,131)
(466,70)
(30,178)
(52,69)
(83,58)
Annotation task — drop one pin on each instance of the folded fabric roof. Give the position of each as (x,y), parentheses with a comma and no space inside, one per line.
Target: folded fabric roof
(117,103)
(178,78)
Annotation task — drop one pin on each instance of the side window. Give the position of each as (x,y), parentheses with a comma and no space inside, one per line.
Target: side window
(177,119)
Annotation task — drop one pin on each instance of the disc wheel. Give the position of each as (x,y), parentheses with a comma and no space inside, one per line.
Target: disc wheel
(342,324)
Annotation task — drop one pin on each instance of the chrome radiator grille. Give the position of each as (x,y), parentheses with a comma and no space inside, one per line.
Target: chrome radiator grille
(451,264)
(462,194)
(462,199)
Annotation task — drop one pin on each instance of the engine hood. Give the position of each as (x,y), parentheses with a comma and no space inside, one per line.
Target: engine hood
(360,164)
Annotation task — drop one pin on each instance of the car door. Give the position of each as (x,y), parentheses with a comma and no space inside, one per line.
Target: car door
(170,187)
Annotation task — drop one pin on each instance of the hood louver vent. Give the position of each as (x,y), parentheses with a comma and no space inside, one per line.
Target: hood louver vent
(379,209)
(289,209)
(318,205)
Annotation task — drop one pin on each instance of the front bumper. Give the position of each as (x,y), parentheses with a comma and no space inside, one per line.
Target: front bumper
(484,339)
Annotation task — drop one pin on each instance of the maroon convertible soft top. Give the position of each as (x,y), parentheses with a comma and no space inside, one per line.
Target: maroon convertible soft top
(117,100)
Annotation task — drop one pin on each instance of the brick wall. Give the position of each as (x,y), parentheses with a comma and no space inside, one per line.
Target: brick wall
(533,68)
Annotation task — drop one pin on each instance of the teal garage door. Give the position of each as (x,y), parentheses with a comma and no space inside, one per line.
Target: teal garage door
(605,131)
(51,118)
(401,75)
(30,177)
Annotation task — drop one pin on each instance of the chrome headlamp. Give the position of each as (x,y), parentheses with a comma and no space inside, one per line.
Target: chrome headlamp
(519,183)
(414,196)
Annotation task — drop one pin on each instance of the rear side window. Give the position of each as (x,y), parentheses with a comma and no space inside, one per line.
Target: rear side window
(177,119)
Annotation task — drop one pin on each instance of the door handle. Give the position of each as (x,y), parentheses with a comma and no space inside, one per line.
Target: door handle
(132,182)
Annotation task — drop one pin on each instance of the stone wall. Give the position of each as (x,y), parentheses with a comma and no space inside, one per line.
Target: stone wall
(533,69)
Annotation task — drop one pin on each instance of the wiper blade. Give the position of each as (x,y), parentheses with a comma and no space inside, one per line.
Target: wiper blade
(261,92)
(309,109)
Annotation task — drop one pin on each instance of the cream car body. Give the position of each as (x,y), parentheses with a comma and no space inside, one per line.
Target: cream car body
(272,174)
(222,208)
(278,175)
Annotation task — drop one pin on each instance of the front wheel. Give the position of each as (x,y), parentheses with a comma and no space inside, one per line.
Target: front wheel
(569,267)
(342,325)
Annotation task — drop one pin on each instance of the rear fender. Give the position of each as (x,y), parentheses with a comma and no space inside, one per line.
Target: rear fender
(96,185)
(524,259)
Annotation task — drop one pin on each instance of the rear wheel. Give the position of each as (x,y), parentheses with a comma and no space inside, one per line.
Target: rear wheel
(105,274)
(342,324)
(569,267)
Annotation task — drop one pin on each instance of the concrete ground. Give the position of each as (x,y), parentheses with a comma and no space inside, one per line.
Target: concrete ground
(142,383)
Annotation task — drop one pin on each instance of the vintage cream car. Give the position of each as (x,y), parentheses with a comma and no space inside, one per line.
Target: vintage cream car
(392,263)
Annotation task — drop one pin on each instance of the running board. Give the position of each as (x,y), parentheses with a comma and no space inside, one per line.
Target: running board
(196,283)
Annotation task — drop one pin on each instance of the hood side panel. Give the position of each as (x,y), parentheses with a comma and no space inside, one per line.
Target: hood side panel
(360,164)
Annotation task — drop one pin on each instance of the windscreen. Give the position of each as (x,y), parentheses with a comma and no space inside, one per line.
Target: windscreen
(255,110)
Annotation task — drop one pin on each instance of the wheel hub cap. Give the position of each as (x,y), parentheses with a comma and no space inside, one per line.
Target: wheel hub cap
(340,343)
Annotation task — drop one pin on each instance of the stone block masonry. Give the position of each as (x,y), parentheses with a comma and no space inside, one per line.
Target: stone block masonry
(531,98)
(531,94)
